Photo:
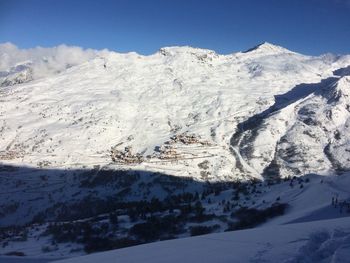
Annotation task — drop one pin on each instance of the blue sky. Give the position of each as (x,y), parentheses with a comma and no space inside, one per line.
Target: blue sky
(306,26)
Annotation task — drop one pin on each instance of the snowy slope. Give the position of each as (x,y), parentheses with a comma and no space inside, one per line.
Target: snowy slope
(303,133)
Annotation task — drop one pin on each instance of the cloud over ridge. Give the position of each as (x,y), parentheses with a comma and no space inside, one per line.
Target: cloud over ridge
(44,61)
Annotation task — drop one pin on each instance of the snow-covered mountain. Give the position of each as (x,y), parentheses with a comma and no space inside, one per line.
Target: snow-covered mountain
(106,143)
(174,111)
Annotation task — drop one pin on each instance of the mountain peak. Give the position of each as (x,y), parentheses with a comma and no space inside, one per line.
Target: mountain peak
(269,48)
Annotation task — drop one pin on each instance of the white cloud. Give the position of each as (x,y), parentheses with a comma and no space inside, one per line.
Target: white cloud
(45,60)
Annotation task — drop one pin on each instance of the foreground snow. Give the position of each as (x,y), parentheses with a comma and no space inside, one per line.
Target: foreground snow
(318,241)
